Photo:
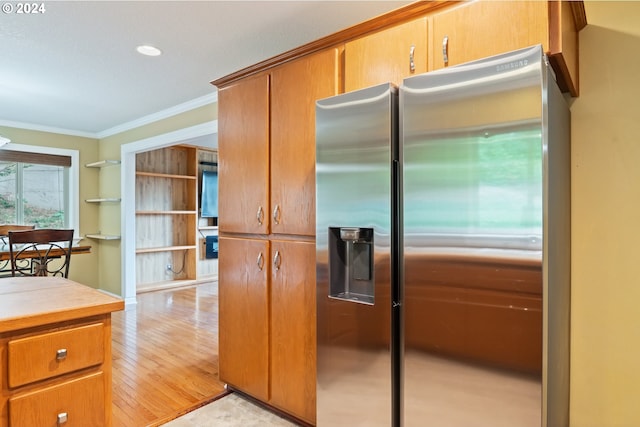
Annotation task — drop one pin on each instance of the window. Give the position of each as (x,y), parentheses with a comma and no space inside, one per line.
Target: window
(38,185)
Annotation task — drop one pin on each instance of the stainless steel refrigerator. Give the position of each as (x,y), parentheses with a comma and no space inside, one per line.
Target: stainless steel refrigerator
(443,249)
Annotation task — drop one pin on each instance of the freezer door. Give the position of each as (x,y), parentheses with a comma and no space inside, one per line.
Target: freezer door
(355,146)
(473,219)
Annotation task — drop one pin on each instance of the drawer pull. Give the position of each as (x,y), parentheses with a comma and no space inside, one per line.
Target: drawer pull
(61,354)
(62,418)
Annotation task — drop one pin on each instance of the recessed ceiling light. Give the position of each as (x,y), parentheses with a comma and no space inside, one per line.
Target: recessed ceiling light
(149,50)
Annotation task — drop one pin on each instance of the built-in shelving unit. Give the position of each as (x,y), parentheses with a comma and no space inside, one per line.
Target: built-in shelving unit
(170,233)
(102,164)
(166,217)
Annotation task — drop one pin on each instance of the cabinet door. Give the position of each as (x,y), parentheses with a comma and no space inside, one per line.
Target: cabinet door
(243,146)
(386,56)
(293,328)
(479,29)
(295,87)
(244,315)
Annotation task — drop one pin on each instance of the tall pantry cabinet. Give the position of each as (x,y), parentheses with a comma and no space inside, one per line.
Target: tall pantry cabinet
(266,140)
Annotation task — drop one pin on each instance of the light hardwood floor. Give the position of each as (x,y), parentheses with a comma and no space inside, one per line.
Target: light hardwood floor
(165,356)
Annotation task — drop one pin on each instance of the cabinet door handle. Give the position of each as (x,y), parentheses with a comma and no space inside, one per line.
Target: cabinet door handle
(61,354)
(412,62)
(62,418)
(260,261)
(445,50)
(276,214)
(277,261)
(260,215)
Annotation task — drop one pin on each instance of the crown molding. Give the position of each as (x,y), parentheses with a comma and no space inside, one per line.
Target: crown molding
(145,120)
(49,129)
(163,114)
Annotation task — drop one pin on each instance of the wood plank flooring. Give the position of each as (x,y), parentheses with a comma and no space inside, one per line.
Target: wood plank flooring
(165,355)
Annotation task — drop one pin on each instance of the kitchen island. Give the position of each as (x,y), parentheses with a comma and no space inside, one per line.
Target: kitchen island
(55,353)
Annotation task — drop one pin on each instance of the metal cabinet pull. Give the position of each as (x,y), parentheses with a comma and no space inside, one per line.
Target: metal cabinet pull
(260,261)
(61,354)
(260,215)
(445,50)
(62,418)
(276,214)
(277,261)
(412,62)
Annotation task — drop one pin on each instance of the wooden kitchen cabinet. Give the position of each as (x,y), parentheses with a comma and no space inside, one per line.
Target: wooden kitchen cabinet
(295,86)
(267,153)
(293,328)
(243,150)
(243,272)
(55,353)
(477,29)
(389,55)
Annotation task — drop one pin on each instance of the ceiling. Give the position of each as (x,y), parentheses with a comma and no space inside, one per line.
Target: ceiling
(73,68)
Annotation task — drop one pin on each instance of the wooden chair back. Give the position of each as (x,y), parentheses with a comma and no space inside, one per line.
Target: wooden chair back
(5,265)
(48,249)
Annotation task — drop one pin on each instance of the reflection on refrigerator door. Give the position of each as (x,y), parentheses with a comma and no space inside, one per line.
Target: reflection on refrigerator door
(443,266)
(354,140)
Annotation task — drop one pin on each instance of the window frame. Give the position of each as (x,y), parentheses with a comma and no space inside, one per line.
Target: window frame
(72,198)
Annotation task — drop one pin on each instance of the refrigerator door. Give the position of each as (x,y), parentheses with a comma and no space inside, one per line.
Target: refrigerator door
(472,147)
(356,143)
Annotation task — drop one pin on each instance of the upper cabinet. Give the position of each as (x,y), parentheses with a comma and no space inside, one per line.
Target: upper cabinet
(295,86)
(243,148)
(388,55)
(474,30)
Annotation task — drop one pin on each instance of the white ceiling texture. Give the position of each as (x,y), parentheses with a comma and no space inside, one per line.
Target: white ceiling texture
(73,67)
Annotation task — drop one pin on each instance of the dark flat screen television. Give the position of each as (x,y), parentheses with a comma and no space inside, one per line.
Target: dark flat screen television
(209,197)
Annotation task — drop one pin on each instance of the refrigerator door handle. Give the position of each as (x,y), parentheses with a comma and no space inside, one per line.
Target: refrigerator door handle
(445,50)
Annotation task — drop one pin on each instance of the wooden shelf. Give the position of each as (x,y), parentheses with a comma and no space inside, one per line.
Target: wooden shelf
(165,175)
(102,236)
(164,249)
(102,163)
(103,199)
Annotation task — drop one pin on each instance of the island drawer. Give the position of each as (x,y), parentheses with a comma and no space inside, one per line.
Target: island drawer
(48,355)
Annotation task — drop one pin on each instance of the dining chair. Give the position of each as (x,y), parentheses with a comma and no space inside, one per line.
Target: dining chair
(6,228)
(5,265)
(48,249)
